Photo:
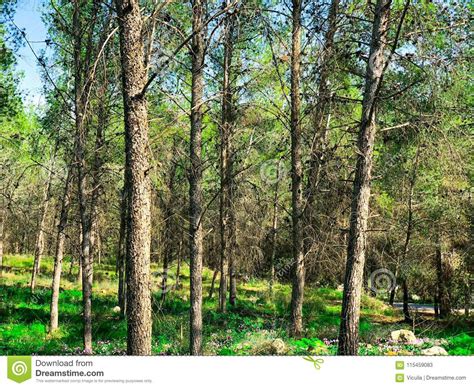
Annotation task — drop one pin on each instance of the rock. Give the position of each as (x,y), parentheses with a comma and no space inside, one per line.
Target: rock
(275,347)
(405,336)
(116,309)
(434,351)
(278,346)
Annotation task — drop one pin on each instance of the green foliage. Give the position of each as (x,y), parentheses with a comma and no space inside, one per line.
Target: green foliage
(309,346)
(256,325)
(461,345)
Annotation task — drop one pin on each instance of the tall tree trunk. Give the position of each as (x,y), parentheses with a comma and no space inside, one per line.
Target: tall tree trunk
(24,243)
(80,104)
(393,291)
(98,246)
(168,233)
(85,256)
(411,191)
(39,243)
(226,130)
(59,252)
(232,227)
(232,251)
(79,261)
(406,309)
(467,297)
(121,252)
(467,283)
(297,294)
(103,116)
(178,264)
(213,282)
(195,178)
(137,166)
(274,230)
(349,329)
(443,292)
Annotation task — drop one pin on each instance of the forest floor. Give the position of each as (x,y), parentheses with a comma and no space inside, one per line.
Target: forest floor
(256,325)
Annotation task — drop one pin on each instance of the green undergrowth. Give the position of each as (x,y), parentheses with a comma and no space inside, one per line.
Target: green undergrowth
(256,325)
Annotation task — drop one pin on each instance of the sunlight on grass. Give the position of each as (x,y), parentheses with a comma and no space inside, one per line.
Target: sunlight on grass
(256,325)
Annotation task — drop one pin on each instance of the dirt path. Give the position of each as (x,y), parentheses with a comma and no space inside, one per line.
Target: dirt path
(423,308)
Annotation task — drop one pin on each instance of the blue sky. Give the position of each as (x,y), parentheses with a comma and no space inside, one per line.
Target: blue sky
(28,17)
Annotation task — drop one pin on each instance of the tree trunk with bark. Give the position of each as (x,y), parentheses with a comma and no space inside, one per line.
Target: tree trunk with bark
(103,115)
(81,88)
(406,309)
(393,291)
(39,243)
(411,192)
(213,283)
(121,253)
(59,253)
(195,177)
(178,264)
(226,132)
(297,294)
(168,233)
(443,291)
(232,250)
(349,329)
(436,305)
(137,168)
(467,299)
(274,229)
(79,262)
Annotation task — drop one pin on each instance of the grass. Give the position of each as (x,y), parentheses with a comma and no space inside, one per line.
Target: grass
(257,324)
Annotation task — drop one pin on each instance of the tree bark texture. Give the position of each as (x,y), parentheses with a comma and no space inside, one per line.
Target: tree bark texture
(59,252)
(195,177)
(349,329)
(137,166)
(82,85)
(39,243)
(168,232)
(121,252)
(409,231)
(444,303)
(297,293)
(274,230)
(226,132)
